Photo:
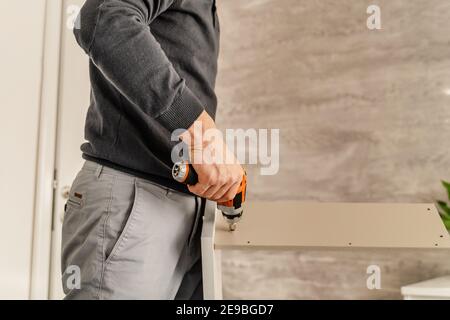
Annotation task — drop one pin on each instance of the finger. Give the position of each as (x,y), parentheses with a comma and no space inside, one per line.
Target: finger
(222,191)
(199,189)
(230,193)
(211,191)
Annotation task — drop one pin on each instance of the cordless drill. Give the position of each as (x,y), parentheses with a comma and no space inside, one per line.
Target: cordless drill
(231,210)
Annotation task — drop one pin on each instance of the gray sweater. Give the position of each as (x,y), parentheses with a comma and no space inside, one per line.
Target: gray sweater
(153,65)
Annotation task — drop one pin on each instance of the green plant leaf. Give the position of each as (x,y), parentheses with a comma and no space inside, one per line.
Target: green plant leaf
(446,223)
(444,209)
(447,187)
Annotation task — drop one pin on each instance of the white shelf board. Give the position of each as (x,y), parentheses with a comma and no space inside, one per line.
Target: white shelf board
(292,224)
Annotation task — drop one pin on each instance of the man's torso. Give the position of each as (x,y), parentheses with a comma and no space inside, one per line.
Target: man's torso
(117,136)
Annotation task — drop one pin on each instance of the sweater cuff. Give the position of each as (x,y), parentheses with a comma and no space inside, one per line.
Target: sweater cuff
(183,112)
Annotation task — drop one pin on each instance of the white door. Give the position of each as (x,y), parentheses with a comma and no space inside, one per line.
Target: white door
(22,31)
(72,108)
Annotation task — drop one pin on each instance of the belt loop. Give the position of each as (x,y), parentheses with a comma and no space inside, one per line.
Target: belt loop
(98,171)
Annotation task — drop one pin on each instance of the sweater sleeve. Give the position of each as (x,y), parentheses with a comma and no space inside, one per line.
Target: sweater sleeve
(116,34)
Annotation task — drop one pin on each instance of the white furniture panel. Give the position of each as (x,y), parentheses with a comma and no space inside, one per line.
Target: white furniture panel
(342,226)
(293,224)
(73,104)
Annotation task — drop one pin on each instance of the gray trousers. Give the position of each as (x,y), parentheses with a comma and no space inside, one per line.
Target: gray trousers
(127,238)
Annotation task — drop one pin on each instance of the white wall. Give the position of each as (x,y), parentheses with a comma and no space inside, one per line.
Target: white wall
(22,29)
(363,117)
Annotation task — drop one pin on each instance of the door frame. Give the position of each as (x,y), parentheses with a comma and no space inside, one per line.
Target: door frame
(45,165)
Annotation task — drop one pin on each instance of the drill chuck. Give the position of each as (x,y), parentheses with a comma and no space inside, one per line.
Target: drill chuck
(232,215)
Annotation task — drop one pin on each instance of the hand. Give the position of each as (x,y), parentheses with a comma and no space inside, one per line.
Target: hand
(219,177)
(217,181)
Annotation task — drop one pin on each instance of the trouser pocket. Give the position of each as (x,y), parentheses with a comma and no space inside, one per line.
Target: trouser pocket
(146,252)
(119,219)
(89,198)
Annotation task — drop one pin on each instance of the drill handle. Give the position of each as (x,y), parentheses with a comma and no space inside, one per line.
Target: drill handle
(185,173)
(191,177)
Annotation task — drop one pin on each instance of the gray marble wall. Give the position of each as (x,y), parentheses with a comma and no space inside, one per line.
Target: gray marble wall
(364,116)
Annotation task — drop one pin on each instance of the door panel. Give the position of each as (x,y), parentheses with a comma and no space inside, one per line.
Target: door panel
(73,104)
